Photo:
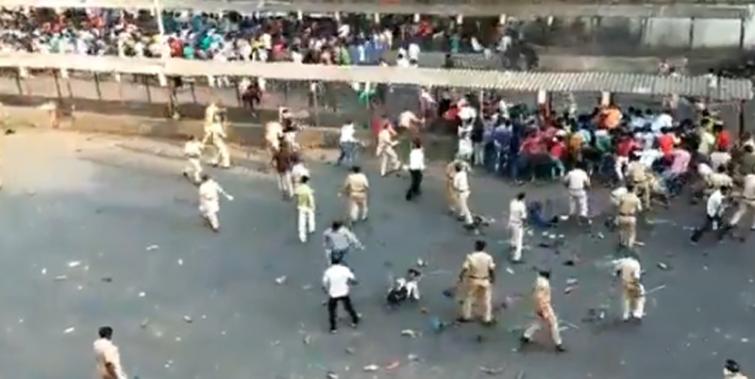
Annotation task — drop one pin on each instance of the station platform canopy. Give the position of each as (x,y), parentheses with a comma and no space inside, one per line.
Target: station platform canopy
(696,86)
(516,8)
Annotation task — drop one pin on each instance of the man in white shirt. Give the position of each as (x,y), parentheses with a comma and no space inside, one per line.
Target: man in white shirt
(461,187)
(663,120)
(628,269)
(193,153)
(298,170)
(517,217)
(714,209)
(719,158)
(107,356)
(209,201)
(577,181)
(416,167)
(348,143)
(385,150)
(336,282)
(732,370)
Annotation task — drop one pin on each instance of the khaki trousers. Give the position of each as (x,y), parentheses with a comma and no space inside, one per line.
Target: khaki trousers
(627,230)
(744,207)
(549,322)
(632,303)
(358,207)
(193,169)
(463,198)
(477,293)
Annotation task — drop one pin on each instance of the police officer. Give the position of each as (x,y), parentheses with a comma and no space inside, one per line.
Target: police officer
(356,187)
(541,295)
(462,190)
(386,151)
(628,269)
(209,201)
(638,176)
(476,277)
(215,134)
(193,153)
(451,196)
(629,205)
(746,203)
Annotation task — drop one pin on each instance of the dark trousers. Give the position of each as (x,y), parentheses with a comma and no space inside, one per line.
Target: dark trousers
(333,305)
(414,187)
(707,225)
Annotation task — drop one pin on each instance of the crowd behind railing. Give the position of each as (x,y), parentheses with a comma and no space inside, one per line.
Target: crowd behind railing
(347,39)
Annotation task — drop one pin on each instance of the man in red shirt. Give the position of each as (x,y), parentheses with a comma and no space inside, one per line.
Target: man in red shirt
(624,148)
(666,142)
(558,154)
(723,138)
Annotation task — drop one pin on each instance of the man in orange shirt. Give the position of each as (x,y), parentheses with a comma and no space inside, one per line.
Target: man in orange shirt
(610,117)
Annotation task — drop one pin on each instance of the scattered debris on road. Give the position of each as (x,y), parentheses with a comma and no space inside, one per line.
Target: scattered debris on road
(281,280)
(491,371)
(152,247)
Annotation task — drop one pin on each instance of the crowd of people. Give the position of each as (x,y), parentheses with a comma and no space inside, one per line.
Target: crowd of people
(229,36)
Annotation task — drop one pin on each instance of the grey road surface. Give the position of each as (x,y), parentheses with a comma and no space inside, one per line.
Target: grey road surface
(114,222)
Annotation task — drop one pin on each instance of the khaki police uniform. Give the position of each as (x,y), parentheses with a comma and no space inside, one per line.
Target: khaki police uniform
(577,181)
(477,286)
(747,202)
(193,153)
(638,176)
(215,134)
(386,152)
(356,187)
(633,292)
(541,296)
(629,205)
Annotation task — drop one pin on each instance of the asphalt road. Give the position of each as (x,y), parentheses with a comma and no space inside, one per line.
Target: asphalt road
(91,208)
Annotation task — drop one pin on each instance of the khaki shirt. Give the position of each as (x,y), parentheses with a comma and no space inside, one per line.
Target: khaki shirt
(748,191)
(629,204)
(637,172)
(385,140)
(478,265)
(718,180)
(356,185)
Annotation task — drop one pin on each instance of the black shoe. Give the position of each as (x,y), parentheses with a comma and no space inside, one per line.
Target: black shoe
(462,320)
(524,340)
(560,349)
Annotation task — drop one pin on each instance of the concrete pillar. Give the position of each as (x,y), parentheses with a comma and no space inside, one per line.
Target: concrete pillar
(605,98)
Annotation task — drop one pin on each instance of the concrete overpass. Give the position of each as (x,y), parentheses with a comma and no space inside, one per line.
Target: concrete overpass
(516,8)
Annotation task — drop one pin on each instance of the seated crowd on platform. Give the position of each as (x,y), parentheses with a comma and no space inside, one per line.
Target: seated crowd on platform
(348,39)
(523,143)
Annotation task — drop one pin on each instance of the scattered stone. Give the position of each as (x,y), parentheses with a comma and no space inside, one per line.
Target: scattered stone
(107,279)
(180,262)
(510,271)
(491,371)
(350,350)
(331,375)
(745,340)
(142,294)
(144,323)
(152,247)
(371,368)
(393,365)
(421,262)
(412,357)
(44,272)
(61,278)
(423,310)
(307,339)
(306,287)
(569,289)
(663,266)
(408,333)
(69,330)
(571,281)
(281,280)
(74,264)
(188,319)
